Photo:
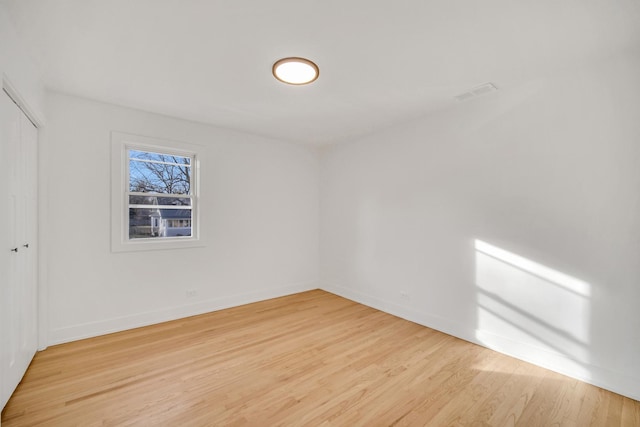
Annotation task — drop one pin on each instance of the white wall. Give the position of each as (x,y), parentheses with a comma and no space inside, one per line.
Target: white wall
(17,68)
(511,220)
(259,210)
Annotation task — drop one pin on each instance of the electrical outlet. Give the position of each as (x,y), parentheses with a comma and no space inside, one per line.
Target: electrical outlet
(191,293)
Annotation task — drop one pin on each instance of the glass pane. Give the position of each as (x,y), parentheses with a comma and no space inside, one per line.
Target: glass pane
(159,157)
(159,173)
(158,200)
(159,223)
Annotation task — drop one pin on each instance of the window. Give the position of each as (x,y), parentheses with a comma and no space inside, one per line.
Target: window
(154,194)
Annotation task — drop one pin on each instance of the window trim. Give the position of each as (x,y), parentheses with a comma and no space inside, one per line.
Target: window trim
(120,241)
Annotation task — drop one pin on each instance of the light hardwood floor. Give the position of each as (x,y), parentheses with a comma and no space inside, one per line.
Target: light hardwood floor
(307,359)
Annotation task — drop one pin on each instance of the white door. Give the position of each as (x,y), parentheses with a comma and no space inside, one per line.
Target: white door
(18,245)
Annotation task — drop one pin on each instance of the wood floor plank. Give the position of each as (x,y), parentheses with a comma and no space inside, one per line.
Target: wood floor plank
(307,359)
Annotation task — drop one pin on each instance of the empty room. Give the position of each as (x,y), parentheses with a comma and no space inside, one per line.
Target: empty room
(287,213)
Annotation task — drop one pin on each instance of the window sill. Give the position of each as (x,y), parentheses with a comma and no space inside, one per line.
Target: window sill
(155,245)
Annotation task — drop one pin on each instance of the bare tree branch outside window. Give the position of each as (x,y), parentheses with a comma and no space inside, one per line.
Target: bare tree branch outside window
(159,173)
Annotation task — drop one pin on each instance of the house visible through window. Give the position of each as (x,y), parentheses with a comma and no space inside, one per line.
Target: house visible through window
(154,194)
(160,196)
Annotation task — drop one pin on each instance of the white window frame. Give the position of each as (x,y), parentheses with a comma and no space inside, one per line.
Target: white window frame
(120,144)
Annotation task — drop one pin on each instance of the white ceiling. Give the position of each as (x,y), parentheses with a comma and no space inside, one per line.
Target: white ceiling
(381,62)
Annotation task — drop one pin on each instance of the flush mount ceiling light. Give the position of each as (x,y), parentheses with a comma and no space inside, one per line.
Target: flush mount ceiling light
(295,71)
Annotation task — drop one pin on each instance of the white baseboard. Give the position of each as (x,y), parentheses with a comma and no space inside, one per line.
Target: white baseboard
(560,363)
(599,376)
(432,321)
(102,327)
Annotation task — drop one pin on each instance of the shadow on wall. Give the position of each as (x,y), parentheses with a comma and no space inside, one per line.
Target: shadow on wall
(523,302)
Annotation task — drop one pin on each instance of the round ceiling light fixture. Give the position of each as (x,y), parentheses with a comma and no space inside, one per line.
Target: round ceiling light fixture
(295,71)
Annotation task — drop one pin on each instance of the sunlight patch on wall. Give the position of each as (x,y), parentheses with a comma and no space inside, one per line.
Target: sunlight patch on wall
(522,301)
(560,279)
